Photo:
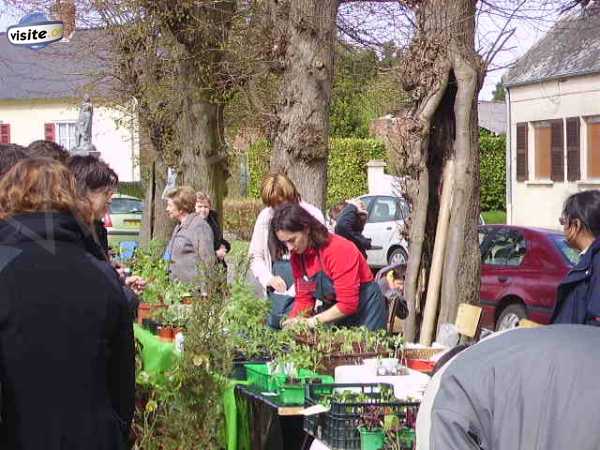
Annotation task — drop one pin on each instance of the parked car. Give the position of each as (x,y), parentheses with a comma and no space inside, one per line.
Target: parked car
(385,223)
(124,219)
(521,268)
(384,227)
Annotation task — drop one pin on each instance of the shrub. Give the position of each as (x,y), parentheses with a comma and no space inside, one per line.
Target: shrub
(133,188)
(492,171)
(347,166)
(239,216)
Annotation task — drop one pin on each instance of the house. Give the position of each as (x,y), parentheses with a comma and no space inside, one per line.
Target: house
(40,93)
(553,104)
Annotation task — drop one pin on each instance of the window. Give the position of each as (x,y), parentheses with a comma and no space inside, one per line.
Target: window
(593,147)
(507,248)
(384,209)
(572,256)
(65,134)
(4,133)
(126,206)
(542,148)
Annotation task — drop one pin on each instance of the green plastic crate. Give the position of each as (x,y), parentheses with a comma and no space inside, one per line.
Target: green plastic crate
(293,394)
(258,375)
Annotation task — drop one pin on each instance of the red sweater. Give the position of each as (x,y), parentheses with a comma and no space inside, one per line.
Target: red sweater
(342,263)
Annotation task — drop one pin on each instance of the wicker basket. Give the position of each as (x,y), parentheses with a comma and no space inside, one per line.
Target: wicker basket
(421,353)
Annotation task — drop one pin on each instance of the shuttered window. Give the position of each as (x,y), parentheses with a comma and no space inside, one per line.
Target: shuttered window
(50,132)
(4,133)
(557,151)
(522,149)
(542,145)
(593,157)
(573,149)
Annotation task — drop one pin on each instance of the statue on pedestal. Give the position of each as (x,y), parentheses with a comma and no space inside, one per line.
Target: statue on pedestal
(83,129)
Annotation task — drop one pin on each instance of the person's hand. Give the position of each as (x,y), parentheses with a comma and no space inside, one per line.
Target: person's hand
(287,323)
(136,283)
(221,252)
(278,284)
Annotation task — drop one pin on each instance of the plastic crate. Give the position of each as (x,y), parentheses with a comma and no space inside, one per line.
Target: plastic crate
(338,428)
(258,375)
(293,394)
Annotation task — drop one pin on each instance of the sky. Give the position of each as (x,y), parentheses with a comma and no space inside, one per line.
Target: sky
(527,32)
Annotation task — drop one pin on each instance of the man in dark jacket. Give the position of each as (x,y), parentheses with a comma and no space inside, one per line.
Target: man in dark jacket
(524,389)
(351,223)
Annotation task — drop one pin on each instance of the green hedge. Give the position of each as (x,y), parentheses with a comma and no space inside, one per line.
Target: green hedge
(347,166)
(133,188)
(492,171)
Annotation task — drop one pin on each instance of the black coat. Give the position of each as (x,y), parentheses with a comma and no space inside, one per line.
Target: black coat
(350,226)
(578,296)
(66,340)
(215,226)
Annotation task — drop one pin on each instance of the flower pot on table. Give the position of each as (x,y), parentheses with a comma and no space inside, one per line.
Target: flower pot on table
(371,440)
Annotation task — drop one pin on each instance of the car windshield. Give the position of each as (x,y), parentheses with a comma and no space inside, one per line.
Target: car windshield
(571,254)
(126,206)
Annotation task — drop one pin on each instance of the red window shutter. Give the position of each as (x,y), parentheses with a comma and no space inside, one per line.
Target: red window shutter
(49,132)
(573,149)
(557,151)
(5,133)
(522,150)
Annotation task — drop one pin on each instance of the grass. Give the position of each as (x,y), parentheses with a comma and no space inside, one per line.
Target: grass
(491,217)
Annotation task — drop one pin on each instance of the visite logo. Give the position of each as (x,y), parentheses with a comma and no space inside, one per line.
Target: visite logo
(35,31)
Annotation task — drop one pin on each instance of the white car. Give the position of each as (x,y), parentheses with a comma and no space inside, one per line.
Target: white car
(384,225)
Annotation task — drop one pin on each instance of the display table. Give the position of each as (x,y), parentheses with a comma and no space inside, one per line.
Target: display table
(274,426)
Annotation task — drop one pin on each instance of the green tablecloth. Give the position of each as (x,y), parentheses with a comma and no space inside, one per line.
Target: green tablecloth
(157,356)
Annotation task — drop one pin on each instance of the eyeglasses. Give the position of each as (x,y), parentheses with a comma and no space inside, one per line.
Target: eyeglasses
(563,220)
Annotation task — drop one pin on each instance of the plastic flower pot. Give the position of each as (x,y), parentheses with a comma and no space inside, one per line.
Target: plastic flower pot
(145,310)
(371,440)
(166,334)
(292,394)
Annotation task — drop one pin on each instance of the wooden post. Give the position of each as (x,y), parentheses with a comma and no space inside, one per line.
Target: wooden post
(437,260)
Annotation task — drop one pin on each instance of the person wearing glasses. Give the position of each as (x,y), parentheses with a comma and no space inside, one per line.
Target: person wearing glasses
(578,295)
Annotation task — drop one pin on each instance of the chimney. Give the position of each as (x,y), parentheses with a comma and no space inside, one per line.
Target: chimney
(65,11)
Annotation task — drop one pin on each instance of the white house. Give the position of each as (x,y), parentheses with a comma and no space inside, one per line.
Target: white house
(553,106)
(40,92)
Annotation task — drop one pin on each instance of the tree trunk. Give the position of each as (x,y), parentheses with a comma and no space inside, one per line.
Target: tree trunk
(301,136)
(203,157)
(156,224)
(442,60)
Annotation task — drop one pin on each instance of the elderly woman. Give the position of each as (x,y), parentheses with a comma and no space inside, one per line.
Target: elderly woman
(329,268)
(191,246)
(578,298)
(66,340)
(272,269)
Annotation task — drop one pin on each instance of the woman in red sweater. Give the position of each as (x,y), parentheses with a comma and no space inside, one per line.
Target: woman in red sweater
(329,268)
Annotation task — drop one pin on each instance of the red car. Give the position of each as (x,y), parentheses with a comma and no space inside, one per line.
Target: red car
(521,268)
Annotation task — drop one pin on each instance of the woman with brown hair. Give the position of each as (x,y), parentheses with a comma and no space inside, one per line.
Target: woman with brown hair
(66,340)
(329,268)
(191,245)
(272,269)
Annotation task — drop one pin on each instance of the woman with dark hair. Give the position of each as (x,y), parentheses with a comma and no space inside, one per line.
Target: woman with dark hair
(329,268)
(578,296)
(350,224)
(66,339)
(97,182)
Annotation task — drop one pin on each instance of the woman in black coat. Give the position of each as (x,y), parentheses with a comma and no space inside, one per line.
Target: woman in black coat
(66,340)
(578,297)
(350,224)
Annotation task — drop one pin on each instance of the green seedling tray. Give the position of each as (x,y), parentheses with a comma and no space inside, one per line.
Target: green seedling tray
(258,375)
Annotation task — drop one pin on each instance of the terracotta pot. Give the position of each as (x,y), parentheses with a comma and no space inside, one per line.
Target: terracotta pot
(145,310)
(166,334)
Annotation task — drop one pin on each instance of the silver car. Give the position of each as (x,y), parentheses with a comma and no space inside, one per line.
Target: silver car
(384,226)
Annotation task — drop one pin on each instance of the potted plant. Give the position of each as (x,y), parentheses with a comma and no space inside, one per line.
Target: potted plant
(372,435)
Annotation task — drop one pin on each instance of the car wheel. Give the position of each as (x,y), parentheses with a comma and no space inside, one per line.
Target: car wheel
(510,317)
(398,256)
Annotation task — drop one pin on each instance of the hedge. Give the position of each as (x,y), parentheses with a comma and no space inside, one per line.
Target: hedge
(239,217)
(492,171)
(133,188)
(347,166)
